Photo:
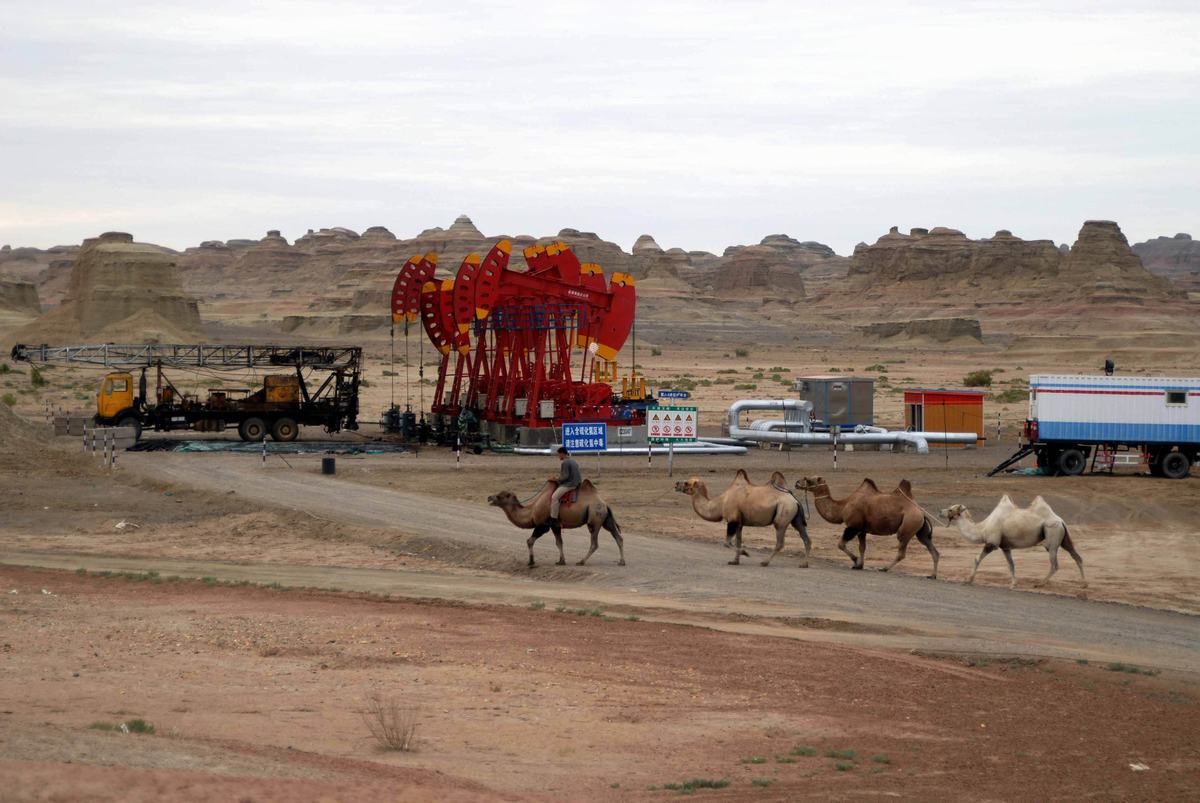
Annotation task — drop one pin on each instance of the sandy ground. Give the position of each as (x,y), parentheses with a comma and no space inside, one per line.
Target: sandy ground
(260,694)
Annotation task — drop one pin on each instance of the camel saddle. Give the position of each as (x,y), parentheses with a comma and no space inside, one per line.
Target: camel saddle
(571,496)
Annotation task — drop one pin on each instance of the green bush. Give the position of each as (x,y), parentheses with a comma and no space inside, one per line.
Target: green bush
(655,351)
(978,379)
(8,399)
(742,352)
(746,386)
(1010,395)
(35,377)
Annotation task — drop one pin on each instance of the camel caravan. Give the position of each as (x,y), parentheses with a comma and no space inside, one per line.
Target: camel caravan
(865,511)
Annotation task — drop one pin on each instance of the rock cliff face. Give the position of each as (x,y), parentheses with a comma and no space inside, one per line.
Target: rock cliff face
(944,261)
(120,289)
(49,269)
(935,330)
(19,297)
(1176,259)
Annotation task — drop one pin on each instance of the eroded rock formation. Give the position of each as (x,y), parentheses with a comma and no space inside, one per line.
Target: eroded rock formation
(1176,259)
(936,330)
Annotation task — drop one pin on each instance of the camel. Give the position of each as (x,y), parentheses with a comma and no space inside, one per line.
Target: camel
(744,504)
(587,509)
(1009,527)
(870,511)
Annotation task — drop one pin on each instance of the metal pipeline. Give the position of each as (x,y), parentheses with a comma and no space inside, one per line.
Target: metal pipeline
(696,447)
(770,434)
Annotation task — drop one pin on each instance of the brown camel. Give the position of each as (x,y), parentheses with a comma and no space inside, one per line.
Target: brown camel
(744,504)
(869,511)
(587,509)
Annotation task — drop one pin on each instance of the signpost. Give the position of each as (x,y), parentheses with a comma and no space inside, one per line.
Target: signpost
(674,394)
(586,436)
(670,425)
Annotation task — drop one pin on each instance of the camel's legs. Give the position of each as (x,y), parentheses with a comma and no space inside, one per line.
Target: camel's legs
(925,536)
(901,551)
(807,544)
(538,532)
(780,533)
(846,537)
(1052,551)
(594,529)
(987,550)
(615,531)
(862,549)
(736,530)
(1012,569)
(1067,545)
(558,542)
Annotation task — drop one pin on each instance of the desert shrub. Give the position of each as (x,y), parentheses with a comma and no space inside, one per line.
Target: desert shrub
(1010,395)
(879,367)
(8,399)
(5,368)
(742,352)
(978,379)
(746,386)
(655,351)
(392,725)
(35,377)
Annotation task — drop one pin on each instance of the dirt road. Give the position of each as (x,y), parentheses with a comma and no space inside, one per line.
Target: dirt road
(689,577)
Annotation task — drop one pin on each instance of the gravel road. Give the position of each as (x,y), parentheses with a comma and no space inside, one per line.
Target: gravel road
(866,608)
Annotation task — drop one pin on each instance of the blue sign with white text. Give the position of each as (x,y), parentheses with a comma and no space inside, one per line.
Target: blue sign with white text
(585,436)
(674,394)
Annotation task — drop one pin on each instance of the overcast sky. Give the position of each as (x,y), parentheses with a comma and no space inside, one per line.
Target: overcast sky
(704,124)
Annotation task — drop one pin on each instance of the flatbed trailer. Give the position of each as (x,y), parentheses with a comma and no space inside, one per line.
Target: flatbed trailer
(313,386)
(1102,421)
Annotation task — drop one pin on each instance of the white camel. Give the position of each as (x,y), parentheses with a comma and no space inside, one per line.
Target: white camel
(1009,527)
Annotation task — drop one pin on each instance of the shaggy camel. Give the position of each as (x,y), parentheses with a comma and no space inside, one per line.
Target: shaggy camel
(587,509)
(744,504)
(870,511)
(1009,527)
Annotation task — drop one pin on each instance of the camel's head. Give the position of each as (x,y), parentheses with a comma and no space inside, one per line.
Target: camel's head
(503,499)
(688,486)
(809,483)
(954,512)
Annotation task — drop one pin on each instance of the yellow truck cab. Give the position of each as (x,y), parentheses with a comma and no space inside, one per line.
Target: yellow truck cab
(115,400)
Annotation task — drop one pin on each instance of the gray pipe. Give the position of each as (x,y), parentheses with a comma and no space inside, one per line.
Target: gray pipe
(696,447)
(768,434)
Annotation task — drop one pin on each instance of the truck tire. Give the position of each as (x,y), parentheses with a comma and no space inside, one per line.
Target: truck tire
(132,421)
(252,429)
(1175,465)
(284,429)
(1071,462)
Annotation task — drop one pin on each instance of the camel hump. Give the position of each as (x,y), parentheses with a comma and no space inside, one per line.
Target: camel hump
(906,488)
(777,478)
(586,485)
(741,475)
(869,483)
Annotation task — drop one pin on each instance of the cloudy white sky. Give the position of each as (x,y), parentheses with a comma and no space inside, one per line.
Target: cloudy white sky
(703,123)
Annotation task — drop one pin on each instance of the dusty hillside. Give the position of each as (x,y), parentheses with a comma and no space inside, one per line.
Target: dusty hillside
(119,290)
(1174,258)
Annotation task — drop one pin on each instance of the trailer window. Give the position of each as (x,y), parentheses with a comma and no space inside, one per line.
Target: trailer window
(1177,398)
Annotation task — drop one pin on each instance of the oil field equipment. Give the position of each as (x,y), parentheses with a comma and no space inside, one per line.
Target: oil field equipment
(312,386)
(507,338)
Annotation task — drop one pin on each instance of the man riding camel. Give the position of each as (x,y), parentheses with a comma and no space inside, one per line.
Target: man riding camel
(568,479)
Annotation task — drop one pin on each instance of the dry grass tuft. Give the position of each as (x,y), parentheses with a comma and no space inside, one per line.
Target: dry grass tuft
(392,725)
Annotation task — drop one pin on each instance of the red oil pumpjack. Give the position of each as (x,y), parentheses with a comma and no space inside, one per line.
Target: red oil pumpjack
(507,337)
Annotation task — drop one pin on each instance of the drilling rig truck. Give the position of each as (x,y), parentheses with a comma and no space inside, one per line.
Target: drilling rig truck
(298,386)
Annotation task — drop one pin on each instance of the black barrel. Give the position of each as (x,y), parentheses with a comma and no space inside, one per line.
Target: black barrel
(327,465)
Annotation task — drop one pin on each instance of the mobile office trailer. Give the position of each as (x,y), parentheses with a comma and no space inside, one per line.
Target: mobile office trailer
(1074,418)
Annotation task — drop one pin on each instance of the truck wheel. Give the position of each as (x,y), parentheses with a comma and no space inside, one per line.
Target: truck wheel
(1071,462)
(1175,465)
(132,421)
(284,429)
(252,429)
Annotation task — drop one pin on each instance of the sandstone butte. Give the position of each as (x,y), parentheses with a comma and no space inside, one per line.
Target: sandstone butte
(1175,258)
(119,289)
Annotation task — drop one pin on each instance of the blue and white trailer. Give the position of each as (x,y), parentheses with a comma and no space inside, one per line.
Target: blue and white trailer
(1152,421)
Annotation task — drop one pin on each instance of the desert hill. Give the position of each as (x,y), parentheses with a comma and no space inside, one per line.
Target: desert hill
(1174,258)
(118,290)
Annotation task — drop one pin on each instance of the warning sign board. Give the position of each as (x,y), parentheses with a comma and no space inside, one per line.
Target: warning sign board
(670,424)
